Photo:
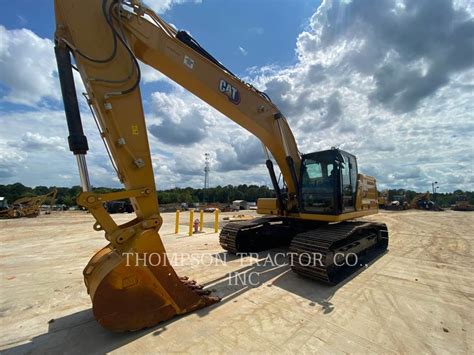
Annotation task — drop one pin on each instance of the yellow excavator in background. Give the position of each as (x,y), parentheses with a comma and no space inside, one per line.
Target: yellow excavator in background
(383,199)
(462,204)
(29,206)
(424,202)
(312,211)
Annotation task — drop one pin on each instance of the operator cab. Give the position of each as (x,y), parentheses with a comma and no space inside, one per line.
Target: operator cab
(329,182)
(3,204)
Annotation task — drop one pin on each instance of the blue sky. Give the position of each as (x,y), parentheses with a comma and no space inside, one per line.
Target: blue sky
(388,80)
(262,30)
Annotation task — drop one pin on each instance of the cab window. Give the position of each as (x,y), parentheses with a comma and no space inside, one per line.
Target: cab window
(318,186)
(348,184)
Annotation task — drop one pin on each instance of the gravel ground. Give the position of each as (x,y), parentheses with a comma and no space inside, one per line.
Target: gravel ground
(417,298)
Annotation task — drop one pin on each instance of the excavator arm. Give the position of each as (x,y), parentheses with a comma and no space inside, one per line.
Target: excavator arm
(106,38)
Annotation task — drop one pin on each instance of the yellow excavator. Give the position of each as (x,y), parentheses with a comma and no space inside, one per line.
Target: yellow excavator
(312,212)
(424,202)
(29,206)
(462,204)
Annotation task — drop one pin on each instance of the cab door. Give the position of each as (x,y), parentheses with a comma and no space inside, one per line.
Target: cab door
(348,173)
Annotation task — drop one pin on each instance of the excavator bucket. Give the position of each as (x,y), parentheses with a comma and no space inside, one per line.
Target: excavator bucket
(138,288)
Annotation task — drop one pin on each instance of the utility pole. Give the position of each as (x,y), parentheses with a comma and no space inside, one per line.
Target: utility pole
(434,189)
(206,176)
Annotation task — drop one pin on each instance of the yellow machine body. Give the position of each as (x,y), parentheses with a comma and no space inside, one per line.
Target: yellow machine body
(130,281)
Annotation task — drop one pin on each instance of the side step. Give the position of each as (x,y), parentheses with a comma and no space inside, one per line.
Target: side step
(333,252)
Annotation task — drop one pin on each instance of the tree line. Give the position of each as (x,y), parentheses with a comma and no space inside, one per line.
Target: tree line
(221,194)
(218,194)
(445,199)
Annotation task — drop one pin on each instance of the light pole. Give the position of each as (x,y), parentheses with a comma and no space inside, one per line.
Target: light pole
(433,184)
(206,176)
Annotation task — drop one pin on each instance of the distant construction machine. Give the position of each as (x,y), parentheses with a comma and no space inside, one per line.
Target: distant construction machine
(28,206)
(383,199)
(3,204)
(423,202)
(462,204)
(399,203)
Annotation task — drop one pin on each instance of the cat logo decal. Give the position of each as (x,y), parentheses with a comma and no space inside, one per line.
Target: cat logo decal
(232,93)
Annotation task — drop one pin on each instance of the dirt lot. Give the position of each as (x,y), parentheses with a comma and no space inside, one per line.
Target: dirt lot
(417,298)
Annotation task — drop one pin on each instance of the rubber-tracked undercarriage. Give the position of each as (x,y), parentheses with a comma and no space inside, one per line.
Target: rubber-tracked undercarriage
(255,235)
(328,253)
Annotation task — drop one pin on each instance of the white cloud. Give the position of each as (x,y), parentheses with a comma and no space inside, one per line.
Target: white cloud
(161,6)
(37,142)
(242,50)
(183,128)
(383,80)
(151,75)
(180,122)
(27,67)
(11,161)
(386,82)
(33,150)
(243,152)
